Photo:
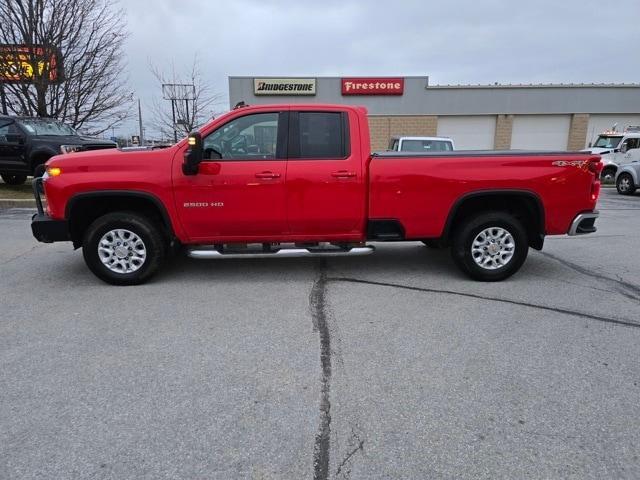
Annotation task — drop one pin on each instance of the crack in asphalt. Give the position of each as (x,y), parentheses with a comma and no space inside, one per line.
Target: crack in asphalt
(614,321)
(359,446)
(319,317)
(622,287)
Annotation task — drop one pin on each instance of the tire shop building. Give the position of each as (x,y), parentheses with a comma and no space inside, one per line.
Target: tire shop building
(536,117)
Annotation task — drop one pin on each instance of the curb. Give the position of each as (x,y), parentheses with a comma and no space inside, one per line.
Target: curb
(6,203)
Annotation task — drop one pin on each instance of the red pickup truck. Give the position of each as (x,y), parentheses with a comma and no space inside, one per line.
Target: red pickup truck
(299,180)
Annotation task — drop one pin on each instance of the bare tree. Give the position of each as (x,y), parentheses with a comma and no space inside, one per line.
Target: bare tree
(194,100)
(88,36)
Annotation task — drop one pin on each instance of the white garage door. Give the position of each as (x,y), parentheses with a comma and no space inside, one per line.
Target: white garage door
(540,132)
(601,123)
(469,132)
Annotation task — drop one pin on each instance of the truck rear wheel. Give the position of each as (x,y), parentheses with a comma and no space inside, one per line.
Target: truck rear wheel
(14,179)
(490,246)
(625,185)
(123,248)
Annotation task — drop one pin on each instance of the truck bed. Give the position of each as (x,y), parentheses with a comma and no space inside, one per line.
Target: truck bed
(420,195)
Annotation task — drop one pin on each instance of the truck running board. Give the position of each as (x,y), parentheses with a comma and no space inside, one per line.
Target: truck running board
(204,253)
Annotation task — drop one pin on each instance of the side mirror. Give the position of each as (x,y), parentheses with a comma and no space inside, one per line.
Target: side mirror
(193,155)
(624,148)
(590,145)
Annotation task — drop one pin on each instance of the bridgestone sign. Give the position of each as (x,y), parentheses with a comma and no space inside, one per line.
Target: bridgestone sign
(284,86)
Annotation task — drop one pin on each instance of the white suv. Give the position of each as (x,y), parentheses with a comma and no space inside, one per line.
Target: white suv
(421,144)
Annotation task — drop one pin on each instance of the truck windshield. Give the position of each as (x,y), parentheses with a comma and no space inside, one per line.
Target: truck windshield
(426,146)
(607,142)
(46,126)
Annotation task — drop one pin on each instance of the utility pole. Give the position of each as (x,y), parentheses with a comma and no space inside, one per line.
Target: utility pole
(140,123)
(3,99)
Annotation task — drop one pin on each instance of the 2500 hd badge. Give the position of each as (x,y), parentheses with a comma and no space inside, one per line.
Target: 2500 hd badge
(202,204)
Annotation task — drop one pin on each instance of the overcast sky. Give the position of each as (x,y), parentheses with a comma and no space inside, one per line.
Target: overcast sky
(466,41)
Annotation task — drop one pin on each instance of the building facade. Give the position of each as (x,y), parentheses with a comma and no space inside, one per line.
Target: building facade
(538,117)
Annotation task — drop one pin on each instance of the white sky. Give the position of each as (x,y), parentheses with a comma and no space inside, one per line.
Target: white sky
(464,41)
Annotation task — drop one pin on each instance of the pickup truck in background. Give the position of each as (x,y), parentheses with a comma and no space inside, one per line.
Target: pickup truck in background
(421,144)
(26,143)
(299,180)
(616,149)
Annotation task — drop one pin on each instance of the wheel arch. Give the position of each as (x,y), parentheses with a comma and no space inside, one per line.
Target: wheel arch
(40,156)
(83,208)
(524,204)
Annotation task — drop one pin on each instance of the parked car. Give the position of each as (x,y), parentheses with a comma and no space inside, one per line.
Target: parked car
(421,144)
(628,178)
(26,143)
(616,149)
(299,181)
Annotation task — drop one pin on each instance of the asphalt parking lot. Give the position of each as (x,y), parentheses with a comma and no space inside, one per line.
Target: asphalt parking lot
(388,366)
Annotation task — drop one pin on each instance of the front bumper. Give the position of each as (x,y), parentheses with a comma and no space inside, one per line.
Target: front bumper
(584,223)
(49,230)
(45,228)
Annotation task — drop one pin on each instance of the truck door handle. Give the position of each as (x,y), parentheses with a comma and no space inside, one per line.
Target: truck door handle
(343,174)
(267,175)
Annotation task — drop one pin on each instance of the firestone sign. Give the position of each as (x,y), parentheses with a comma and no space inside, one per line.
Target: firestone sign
(372,86)
(284,86)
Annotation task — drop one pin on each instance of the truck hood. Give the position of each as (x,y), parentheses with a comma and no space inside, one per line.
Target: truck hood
(598,150)
(75,140)
(111,159)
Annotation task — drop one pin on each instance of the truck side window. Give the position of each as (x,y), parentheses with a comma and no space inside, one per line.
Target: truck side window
(321,135)
(632,143)
(9,132)
(252,137)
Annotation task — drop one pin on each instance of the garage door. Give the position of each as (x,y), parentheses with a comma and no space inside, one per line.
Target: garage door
(601,123)
(540,132)
(469,133)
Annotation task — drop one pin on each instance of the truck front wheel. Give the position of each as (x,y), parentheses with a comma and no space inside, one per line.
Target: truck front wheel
(123,248)
(490,246)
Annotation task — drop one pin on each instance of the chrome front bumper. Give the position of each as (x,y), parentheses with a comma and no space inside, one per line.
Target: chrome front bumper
(584,223)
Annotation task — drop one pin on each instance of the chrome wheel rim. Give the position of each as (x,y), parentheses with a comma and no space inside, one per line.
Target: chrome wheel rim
(493,248)
(624,184)
(122,251)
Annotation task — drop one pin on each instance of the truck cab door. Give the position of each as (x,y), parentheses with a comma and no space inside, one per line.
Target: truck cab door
(238,193)
(632,153)
(12,147)
(326,179)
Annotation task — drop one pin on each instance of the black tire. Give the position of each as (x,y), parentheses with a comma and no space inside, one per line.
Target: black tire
(432,243)
(471,228)
(147,231)
(608,174)
(13,179)
(625,185)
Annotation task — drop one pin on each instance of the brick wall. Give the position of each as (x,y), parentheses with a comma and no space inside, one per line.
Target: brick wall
(383,127)
(578,131)
(504,127)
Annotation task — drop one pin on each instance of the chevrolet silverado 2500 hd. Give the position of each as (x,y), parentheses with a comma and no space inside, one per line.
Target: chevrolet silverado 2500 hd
(299,180)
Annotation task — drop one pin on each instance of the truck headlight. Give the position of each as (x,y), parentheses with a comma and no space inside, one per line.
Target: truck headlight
(70,148)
